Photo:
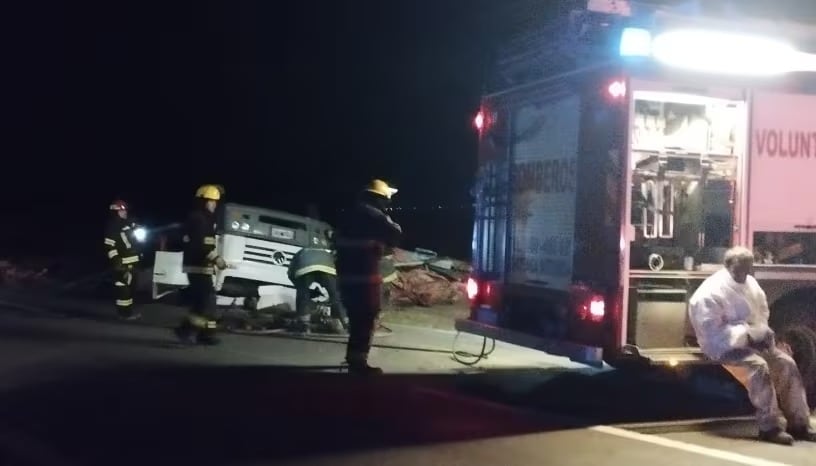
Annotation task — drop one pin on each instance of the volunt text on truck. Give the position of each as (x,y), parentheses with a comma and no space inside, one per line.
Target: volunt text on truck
(621,154)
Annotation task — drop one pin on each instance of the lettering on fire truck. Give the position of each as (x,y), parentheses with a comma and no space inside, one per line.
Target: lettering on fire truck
(545,176)
(773,143)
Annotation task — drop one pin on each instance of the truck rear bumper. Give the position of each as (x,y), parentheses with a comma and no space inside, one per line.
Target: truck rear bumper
(589,355)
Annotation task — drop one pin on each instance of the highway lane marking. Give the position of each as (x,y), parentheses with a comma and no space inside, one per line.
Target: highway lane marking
(687,447)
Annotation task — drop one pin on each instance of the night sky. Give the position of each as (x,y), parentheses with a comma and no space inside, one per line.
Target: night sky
(284,103)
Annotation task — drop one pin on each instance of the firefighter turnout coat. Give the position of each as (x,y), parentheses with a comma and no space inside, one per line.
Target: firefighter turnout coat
(119,243)
(199,243)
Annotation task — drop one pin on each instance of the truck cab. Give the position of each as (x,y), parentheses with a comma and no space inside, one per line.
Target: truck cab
(258,244)
(621,153)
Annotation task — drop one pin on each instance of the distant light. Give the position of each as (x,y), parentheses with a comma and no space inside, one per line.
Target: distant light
(479,121)
(635,42)
(617,89)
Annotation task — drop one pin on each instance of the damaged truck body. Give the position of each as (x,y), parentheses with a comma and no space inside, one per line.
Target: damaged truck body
(619,161)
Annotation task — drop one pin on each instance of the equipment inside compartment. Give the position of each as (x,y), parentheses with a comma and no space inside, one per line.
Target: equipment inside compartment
(684,168)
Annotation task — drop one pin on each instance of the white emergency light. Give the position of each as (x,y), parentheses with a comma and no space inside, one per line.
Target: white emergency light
(140,234)
(716,52)
(726,53)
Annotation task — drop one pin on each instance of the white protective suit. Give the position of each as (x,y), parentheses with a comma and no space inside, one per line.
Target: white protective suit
(721,312)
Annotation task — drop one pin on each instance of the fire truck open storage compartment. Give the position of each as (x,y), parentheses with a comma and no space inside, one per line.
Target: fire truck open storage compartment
(686,153)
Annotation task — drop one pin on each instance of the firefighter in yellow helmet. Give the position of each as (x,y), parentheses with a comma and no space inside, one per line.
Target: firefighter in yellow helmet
(364,234)
(123,257)
(200,261)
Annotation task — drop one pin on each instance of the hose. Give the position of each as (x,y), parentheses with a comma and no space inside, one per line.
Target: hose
(483,353)
(382,331)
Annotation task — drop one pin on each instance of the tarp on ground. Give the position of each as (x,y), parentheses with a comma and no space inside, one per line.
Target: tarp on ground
(425,279)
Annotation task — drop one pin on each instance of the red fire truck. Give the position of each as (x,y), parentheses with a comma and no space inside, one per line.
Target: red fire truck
(621,154)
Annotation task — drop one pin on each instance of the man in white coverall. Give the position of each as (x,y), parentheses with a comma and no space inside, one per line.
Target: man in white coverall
(729,313)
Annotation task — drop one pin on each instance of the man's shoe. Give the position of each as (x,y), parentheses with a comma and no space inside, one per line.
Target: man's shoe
(777,436)
(805,434)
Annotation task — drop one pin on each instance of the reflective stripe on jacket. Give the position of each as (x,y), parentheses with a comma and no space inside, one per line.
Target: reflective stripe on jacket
(309,260)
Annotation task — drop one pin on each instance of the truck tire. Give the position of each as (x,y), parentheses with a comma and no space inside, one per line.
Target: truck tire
(802,342)
(793,318)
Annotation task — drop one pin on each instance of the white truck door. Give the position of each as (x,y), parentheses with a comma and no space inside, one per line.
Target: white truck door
(167,272)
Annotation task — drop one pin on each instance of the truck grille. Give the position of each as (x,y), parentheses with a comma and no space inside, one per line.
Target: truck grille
(267,255)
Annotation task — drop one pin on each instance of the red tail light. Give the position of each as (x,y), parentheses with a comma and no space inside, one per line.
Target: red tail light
(589,304)
(597,308)
(479,121)
(472,289)
(483,292)
(617,89)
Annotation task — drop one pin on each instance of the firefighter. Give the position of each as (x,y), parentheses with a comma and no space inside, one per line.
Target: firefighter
(365,232)
(312,271)
(200,262)
(123,257)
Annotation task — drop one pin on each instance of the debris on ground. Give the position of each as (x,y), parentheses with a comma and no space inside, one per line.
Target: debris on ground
(12,274)
(425,279)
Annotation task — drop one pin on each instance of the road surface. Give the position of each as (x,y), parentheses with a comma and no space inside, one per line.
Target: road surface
(78,389)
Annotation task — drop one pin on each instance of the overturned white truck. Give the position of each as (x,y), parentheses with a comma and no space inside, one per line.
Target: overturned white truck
(621,153)
(258,245)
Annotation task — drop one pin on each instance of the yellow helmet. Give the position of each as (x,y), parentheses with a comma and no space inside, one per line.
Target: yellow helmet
(382,188)
(209,191)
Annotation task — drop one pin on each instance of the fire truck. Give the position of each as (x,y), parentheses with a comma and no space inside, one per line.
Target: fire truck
(622,150)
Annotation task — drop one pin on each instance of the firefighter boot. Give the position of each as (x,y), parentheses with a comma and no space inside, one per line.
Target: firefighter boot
(302,324)
(358,365)
(186,332)
(129,314)
(777,436)
(207,336)
(336,327)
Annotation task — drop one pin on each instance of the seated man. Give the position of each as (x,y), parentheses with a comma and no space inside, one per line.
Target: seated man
(729,313)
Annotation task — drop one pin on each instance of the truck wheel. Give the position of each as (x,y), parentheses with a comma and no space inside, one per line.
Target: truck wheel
(802,342)
(793,318)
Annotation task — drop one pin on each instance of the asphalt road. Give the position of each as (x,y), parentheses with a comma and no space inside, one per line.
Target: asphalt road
(79,389)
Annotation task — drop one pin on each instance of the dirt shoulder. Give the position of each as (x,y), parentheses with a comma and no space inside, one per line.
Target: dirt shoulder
(438,317)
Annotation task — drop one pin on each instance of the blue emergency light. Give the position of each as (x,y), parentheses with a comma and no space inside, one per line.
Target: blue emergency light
(635,42)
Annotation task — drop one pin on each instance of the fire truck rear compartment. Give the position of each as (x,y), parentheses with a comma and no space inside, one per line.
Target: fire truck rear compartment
(686,154)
